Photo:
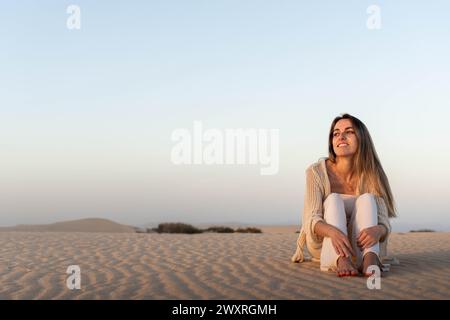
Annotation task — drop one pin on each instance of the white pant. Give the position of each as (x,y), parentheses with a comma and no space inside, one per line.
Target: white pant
(364,215)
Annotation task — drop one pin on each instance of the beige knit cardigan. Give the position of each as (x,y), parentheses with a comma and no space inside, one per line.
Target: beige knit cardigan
(317,190)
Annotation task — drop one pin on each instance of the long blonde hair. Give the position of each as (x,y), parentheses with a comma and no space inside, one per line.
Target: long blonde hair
(367,165)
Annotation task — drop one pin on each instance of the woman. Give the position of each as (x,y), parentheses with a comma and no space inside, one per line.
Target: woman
(348,203)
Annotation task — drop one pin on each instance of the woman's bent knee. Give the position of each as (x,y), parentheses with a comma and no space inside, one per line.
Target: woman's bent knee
(366,198)
(333,202)
(333,197)
(334,210)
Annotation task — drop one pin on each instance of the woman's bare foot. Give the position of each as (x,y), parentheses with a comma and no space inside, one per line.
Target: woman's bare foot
(370,259)
(345,268)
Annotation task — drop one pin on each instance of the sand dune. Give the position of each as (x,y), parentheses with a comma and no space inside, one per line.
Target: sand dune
(82,225)
(206,266)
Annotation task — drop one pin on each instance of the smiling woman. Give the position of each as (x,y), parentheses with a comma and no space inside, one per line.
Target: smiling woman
(348,203)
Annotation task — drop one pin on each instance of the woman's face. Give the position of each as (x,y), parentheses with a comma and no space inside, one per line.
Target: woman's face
(345,142)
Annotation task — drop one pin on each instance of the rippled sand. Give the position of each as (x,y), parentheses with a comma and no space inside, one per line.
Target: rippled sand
(206,266)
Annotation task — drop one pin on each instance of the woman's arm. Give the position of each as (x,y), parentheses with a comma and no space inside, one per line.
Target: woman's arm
(371,236)
(339,240)
(313,206)
(383,218)
(382,232)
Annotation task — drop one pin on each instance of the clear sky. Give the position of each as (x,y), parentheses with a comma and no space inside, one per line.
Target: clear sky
(86,115)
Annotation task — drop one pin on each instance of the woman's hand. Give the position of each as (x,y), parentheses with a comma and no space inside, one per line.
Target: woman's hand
(341,243)
(369,237)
